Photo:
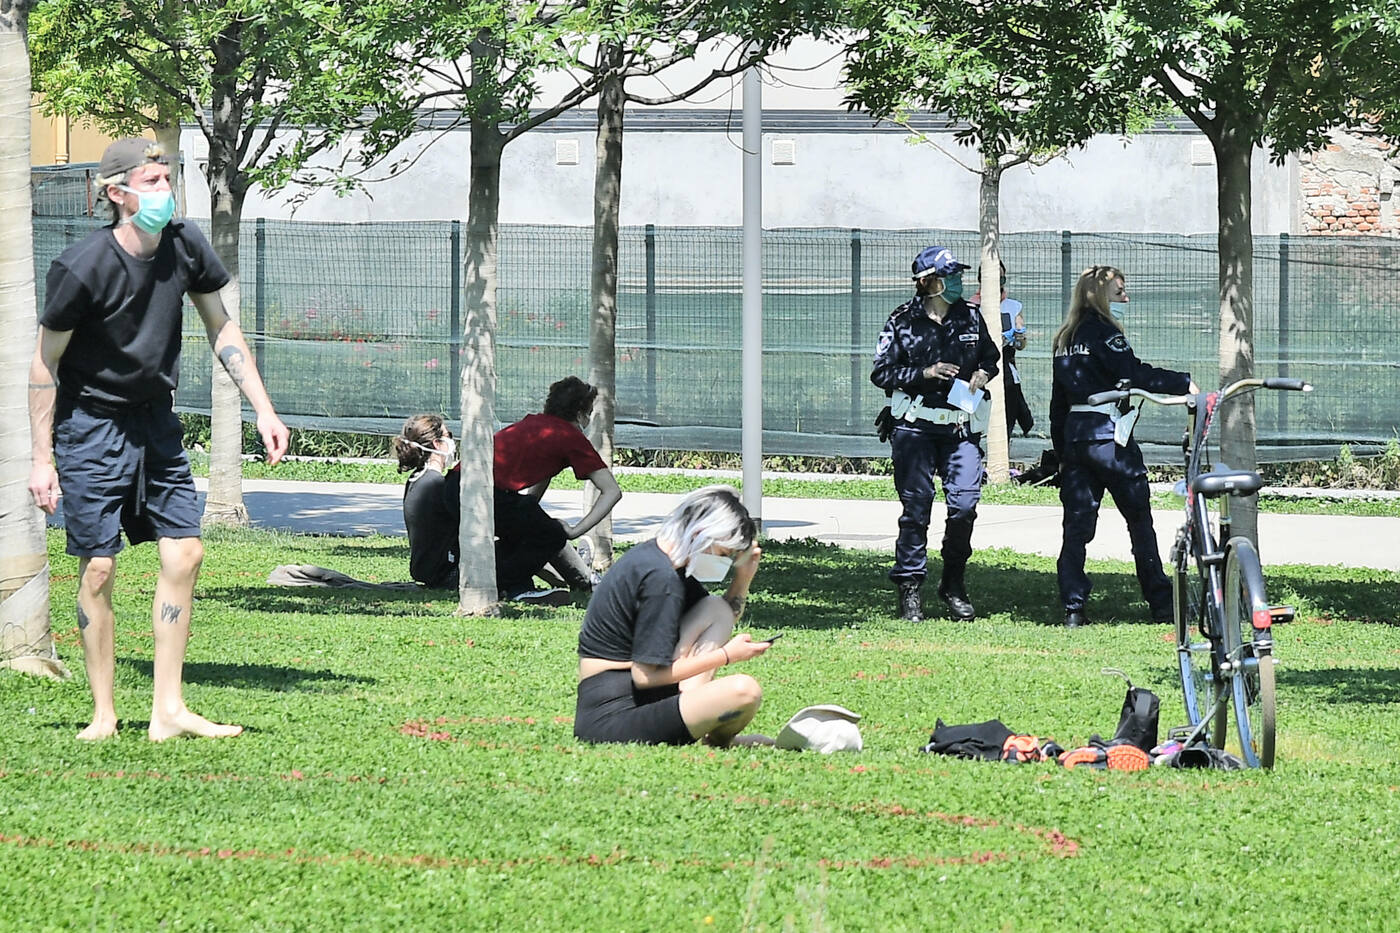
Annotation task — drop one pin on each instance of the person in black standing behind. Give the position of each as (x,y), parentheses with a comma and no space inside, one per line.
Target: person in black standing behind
(1096,453)
(1013,338)
(929,342)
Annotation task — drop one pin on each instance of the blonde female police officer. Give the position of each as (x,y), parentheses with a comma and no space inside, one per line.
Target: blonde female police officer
(927,344)
(1096,453)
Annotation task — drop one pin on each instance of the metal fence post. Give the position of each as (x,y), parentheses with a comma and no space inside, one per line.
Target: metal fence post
(651,321)
(454,349)
(855,327)
(1282,331)
(260,301)
(1066,269)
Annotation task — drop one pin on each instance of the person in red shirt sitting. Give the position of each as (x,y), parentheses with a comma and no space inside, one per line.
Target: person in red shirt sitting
(528,455)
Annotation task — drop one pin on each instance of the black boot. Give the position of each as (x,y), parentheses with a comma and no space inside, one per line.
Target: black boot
(953,592)
(910,603)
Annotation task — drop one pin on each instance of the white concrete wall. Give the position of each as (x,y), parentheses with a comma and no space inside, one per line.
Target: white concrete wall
(684,169)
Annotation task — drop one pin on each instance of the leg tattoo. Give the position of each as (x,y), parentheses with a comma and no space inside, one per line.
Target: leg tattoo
(730,715)
(83,620)
(169,614)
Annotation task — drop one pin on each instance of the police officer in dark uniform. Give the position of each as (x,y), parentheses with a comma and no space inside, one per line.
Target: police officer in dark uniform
(1094,442)
(933,345)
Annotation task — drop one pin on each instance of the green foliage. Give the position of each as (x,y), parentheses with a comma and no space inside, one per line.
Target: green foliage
(1028,78)
(408,769)
(290,78)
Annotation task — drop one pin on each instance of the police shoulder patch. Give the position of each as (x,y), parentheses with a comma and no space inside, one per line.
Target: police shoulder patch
(883,344)
(1118,343)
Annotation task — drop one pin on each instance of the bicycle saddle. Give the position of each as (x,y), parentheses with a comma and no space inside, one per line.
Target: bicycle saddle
(1221,482)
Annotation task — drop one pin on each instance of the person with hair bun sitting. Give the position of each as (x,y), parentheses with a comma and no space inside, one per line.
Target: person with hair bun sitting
(528,455)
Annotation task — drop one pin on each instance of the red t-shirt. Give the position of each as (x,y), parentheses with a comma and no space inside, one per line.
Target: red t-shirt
(539,447)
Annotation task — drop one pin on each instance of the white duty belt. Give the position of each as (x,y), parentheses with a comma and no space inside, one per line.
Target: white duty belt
(912,408)
(1123,422)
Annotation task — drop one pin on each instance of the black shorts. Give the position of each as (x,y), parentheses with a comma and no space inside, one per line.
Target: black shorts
(611,708)
(122,470)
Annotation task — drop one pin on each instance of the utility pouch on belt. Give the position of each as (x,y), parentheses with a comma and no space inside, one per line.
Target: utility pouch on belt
(1123,427)
(982,416)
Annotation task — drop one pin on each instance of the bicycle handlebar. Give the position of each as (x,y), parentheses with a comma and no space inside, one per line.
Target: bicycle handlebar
(1117,395)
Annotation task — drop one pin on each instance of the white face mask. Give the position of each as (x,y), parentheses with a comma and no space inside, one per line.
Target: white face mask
(710,568)
(450,454)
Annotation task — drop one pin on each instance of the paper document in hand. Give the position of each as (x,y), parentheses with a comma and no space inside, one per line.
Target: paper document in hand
(962,395)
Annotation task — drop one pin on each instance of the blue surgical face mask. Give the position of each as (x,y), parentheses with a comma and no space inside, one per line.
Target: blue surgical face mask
(157,207)
(1118,309)
(952,287)
(710,568)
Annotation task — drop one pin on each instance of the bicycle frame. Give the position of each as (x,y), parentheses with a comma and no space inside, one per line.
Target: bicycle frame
(1224,575)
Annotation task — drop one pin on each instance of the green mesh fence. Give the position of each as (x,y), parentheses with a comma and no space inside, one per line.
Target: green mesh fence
(356,326)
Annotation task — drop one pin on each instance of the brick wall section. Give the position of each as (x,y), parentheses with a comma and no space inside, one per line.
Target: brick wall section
(1347,188)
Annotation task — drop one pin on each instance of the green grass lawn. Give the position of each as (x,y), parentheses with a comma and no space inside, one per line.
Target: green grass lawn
(404,768)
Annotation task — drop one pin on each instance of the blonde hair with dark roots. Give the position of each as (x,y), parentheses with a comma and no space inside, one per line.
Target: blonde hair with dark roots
(424,430)
(1090,298)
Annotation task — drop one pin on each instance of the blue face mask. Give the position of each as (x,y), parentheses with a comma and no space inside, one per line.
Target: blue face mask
(157,207)
(952,287)
(1118,309)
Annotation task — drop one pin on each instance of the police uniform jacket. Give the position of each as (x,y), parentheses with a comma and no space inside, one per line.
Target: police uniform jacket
(1095,359)
(911,342)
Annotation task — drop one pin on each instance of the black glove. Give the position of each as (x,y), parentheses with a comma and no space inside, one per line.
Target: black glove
(884,424)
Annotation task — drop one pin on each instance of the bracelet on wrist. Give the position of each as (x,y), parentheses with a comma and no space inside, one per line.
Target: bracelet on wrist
(725,652)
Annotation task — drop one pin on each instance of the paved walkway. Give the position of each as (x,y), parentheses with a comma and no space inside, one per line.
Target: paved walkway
(362,508)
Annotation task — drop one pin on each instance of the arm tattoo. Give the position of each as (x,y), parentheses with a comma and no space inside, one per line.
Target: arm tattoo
(83,620)
(232,358)
(737,604)
(169,613)
(41,386)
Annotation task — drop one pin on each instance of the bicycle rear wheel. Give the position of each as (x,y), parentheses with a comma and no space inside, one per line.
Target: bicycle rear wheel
(1251,652)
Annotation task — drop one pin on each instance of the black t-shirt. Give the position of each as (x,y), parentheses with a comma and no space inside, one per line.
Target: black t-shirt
(125,312)
(635,613)
(431,508)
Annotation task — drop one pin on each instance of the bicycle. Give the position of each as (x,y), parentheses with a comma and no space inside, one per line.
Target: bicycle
(1224,623)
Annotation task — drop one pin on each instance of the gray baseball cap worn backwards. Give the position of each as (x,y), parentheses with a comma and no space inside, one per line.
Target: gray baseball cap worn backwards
(936,260)
(126,154)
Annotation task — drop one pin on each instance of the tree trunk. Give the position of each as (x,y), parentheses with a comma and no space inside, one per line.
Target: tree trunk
(989,219)
(168,135)
(477,568)
(1235,428)
(227,187)
(602,324)
(26,641)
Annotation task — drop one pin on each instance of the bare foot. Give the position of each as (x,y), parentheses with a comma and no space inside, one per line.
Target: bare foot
(187,723)
(101,727)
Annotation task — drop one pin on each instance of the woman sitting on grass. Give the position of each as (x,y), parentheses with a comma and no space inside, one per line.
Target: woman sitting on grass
(653,637)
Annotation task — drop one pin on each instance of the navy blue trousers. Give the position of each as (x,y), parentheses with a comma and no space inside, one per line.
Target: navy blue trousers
(1088,469)
(920,456)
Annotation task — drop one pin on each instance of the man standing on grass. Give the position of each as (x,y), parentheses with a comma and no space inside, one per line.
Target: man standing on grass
(101,395)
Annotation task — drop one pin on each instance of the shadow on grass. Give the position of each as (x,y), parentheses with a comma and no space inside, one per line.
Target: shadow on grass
(1345,684)
(808,584)
(257,676)
(314,599)
(1339,592)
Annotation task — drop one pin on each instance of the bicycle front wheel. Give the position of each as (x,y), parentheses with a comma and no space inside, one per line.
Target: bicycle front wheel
(1251,653)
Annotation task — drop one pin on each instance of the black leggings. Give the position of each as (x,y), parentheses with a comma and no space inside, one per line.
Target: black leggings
(526,537)
(611,708)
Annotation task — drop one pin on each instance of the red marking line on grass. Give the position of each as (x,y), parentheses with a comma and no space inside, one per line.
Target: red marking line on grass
(425,860)
(1057,843)
(425,729)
